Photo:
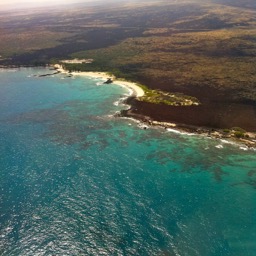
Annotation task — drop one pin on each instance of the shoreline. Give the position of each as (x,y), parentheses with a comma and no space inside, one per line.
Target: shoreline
(137,91)
(213,133)
(189,130)
(249,142)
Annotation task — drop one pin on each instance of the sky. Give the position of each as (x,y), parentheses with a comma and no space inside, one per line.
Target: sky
(13,4)
(40,1)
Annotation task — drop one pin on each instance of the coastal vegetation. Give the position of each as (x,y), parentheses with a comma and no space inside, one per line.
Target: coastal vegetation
(173,99)
(151,96)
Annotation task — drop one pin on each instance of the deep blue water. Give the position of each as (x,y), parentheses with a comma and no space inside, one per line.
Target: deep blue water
(74,180)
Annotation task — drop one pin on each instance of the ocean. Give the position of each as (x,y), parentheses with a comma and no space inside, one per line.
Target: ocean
(77,180)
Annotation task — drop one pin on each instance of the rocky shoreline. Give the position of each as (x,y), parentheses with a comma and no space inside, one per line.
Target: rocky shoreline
(247,139)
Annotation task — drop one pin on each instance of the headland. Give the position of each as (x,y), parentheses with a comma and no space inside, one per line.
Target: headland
(234,135)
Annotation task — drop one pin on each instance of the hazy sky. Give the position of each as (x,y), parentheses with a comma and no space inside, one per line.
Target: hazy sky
(13,4)
(40,1)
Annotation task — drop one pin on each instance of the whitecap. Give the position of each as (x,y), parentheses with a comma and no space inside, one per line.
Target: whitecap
(131,119)
(8,70)
(179,132)
(120,102)
(143,126)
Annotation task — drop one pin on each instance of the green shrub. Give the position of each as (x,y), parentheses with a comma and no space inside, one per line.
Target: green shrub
(238,129)
(239,134)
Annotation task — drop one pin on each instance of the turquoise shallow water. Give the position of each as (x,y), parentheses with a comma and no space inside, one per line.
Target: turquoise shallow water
(74,180)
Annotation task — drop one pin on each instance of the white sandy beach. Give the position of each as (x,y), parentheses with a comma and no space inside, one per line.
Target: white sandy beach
(137,91)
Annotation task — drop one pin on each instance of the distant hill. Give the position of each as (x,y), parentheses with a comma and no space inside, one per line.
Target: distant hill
(237,3)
